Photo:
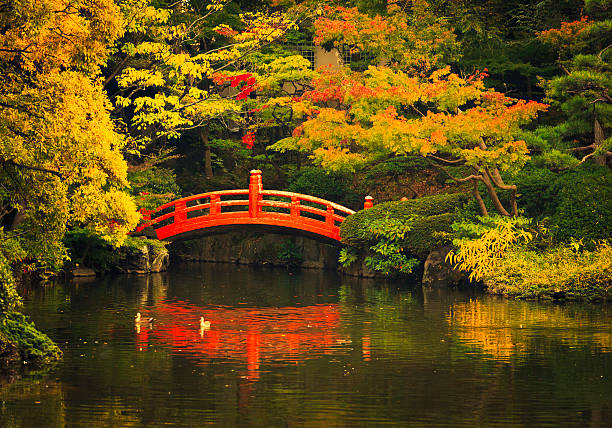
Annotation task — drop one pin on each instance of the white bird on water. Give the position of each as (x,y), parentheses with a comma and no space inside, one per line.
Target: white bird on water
(204,325)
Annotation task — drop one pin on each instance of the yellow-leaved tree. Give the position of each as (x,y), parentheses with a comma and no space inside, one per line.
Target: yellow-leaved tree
(60,154)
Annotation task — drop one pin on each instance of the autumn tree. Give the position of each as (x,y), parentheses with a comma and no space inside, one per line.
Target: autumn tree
(60,154)
(410,105)
(181,68)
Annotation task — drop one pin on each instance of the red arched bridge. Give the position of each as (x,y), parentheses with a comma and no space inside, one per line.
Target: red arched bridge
(270,209)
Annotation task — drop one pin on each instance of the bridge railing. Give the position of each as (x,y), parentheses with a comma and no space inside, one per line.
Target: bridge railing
(252,205)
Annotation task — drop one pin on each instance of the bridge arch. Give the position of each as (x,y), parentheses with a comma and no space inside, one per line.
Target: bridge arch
(271,210)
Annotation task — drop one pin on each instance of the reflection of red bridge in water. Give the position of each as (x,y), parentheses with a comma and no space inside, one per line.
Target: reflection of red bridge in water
(272,209)
(251,335)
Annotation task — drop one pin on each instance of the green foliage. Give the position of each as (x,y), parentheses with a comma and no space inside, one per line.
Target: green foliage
(580,94)
(34,346)
(11,258)
(154,180)
(315,181)
(9,299)
(534,195)
(578,202)
(583,205)
(92,251)
(560,272)
(396,167)
(347,257)
(153,187)
(290,255)
(387,255)
(430,220)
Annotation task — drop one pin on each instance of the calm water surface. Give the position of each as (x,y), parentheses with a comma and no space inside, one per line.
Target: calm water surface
(309,349)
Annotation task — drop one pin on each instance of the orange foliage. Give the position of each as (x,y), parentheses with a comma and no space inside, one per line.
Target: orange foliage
(567,34)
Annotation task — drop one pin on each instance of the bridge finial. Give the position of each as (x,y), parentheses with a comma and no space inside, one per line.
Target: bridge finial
(368,203)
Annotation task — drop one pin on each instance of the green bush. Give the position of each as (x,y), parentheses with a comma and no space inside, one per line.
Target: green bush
(388,255)
(10,254)
(560,272)
(578,202)
(430,220)
(584,205)
(92,251)
(534,191)
(289,254)
(34,346)
(397,166)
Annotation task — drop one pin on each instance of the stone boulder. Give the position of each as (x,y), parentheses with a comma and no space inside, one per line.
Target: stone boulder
(142,259)
(437,272)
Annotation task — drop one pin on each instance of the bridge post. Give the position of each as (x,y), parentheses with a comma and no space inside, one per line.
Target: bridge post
(368,203)
(295,207)
(255,187)
(180,214)
(329,217)
(215,207)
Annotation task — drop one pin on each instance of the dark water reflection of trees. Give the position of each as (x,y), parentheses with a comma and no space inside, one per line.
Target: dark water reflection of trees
(310,349)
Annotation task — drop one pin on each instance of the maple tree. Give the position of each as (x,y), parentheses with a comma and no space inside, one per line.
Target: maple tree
(352,118)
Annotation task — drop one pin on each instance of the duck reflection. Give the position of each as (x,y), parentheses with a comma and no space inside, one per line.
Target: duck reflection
(251,335)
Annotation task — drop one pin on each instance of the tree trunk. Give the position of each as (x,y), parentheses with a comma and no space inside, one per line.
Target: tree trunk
(599,139)
(493,195)
(481,204)
(208,171)
(19,216)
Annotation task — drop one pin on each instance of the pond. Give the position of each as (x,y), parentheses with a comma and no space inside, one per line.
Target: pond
(309,348)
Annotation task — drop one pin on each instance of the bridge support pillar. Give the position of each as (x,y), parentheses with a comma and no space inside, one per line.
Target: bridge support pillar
(255,188)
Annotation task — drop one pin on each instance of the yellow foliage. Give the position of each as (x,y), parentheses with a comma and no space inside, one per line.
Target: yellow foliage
(480,256)
(60,155)
(46,35)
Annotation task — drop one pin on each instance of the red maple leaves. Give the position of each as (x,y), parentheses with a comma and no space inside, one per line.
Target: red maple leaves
(248,140)
(235,81)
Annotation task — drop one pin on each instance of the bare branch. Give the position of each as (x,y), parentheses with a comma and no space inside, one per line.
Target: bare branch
(32,168)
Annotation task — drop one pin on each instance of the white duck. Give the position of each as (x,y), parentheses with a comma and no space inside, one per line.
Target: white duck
(204,325)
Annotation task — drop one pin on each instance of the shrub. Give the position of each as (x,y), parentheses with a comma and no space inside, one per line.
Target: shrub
(92,251)
(430,220)
(578,202)
(388,255)
(289,254)
(560,272)
(11,254)
(34,346)
(534,191)
(584,205)
(480,246)
(397,166)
